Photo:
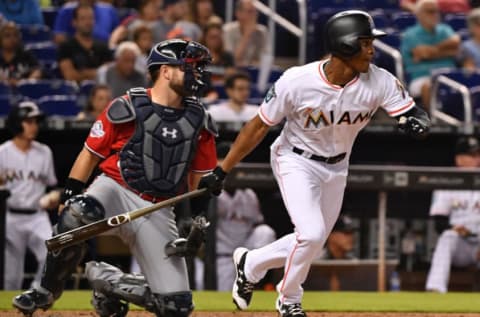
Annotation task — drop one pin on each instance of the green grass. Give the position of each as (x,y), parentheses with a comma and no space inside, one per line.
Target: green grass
(313,301)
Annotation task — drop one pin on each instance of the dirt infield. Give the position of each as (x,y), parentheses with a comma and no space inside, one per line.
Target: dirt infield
(239,314)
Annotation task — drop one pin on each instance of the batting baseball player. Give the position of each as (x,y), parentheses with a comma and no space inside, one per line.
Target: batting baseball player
(325,104)
(457,220)
(151,144)
(26,166)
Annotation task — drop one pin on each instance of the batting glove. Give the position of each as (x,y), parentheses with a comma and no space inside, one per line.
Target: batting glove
(413,126)
(213,181)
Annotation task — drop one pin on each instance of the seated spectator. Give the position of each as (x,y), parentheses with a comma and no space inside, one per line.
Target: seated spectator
(445,6)
(201,13)
(427,46)
(235,109)
(121,74)
(22,11)
(176,13)
(222,60)
(143,37)
(80,56)
(149,14)
(340,241)
(99,98)
(106,20)
(15,62)
(457,221)
(245,38)
(470,50)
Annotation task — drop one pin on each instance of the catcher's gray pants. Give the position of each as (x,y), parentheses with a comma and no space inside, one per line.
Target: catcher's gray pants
(145,236)
(451,249)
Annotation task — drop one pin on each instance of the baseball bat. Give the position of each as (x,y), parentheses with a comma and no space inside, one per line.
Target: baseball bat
(93,229)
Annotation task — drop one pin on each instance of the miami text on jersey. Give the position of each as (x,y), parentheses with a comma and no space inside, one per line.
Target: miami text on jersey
(322,119)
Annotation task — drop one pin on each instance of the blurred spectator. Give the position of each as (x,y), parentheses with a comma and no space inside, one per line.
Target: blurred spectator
(99,98)
(427,46)
(121,74)
(15,62)
(245,38)
(149,14)
(457,221)
(240,222)
(222,63)
(80,56)
(445,6)
(235,109)
(340,241)
(22,11)
(28,169)
(201,13)
(143,37)
(105,21)
(470,50)
(176,13)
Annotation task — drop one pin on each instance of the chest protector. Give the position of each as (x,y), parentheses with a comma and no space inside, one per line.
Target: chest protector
(156,159)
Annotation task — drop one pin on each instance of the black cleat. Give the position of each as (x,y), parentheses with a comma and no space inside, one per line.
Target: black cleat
(29,301)
(108,306)
(290,310)
(242,289)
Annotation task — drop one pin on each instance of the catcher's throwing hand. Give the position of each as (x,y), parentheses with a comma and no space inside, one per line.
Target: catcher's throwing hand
(413,126)
(213,181)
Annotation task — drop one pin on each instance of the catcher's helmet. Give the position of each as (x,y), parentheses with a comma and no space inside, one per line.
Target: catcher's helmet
(344,29)
(189,55)
(80,210)
(20,112)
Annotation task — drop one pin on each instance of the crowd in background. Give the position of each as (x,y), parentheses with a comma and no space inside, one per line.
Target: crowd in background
(105,44)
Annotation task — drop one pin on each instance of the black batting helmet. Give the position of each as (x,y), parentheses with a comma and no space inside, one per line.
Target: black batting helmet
(20,112)
(344,29)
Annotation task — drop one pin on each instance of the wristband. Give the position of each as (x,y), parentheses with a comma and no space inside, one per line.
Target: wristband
(220,173)
(72,187)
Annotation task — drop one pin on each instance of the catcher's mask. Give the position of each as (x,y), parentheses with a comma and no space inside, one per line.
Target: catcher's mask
(190,56)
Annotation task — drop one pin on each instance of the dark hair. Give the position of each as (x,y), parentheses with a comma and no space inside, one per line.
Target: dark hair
(12,26)
(139,30)
(230,80)
(207,28)
(80,6)
(93,92)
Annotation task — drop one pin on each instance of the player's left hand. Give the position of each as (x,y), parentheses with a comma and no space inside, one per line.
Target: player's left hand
(413,126)
(213,181)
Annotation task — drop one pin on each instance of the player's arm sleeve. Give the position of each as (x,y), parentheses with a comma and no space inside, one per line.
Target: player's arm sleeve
(51,177)
(395,100)
(205,159)
(277,102)
(440,205)
(101,136)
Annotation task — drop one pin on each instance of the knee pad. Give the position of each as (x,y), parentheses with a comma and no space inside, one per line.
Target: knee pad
(178,304)
(112,282)
(79,210)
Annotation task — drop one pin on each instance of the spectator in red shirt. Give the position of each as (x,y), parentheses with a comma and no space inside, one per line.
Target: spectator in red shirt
(445,6)
(150,144)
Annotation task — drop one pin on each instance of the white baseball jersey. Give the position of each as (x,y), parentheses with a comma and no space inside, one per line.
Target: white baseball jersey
(321,119)
(237,215)
(27,174)
(324,119)
(461,206)
(222,112)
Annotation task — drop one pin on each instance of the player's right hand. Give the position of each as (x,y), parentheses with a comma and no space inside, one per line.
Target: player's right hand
(213,181)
